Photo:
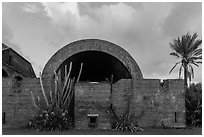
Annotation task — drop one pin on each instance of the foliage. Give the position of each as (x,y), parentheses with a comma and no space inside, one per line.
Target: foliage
(125,123)
(56,115)
(50,121)
(194,105)
(188,50)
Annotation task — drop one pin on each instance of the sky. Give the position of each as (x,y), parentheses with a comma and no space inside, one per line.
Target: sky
(38,30)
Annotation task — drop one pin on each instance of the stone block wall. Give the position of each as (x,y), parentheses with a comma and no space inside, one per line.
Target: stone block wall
(156,103)
(121,92)
(144,109)
(152,104)
(92,98)
(18,106)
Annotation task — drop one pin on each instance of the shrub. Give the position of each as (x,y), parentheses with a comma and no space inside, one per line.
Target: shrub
(125,123)
(194,105)
(49,121)
(56,114)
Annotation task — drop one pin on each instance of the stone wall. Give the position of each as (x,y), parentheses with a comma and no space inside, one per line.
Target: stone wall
(152,104)
(120,96)
(17,102)
(156,103)
(92,98)
(15,62)
(89,45)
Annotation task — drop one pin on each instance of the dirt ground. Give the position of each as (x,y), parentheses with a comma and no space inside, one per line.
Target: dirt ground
(147,131)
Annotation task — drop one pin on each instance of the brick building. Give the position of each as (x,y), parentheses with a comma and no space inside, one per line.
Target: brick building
(14,64)
(152,102)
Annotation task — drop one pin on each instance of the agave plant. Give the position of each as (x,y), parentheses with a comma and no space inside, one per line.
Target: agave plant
(56,114)
(125,123)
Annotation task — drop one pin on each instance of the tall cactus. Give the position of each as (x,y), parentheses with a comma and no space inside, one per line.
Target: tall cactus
(56,114)
(63,91)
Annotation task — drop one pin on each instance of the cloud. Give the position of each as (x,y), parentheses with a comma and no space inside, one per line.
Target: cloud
(7,37)
(183,18)
(31,7)
(60,12)
(143,29)
(6,31)
(117,22)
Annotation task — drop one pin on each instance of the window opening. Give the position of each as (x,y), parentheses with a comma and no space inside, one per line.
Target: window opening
(92,120)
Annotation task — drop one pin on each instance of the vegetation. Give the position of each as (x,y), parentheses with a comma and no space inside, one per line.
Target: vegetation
(188,50)
(125,121)
(194,105)
(56,114)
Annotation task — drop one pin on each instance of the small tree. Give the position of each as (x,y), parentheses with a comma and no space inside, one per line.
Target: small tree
(187,49)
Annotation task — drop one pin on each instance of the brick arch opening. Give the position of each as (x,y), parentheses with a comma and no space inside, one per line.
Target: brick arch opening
(90,48)
(97,66)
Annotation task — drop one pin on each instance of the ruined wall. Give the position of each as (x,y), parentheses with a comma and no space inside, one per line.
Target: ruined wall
(120,96)
(89,45)
(17,102)
(92,98)
(155,104)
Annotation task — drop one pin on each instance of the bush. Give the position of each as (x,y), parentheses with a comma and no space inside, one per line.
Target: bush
(49,121)
(194,105)
(124,123)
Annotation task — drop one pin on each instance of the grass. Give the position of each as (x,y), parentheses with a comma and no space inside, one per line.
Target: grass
(147,131)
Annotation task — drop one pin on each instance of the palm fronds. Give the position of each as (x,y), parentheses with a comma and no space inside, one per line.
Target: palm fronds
(188,49)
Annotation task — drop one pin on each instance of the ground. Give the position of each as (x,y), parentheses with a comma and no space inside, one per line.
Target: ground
(147,131)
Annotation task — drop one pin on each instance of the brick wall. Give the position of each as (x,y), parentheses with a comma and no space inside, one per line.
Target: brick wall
(154,103)
(18,106)
(143,107)
(92,98)
(90,45)
(120,96)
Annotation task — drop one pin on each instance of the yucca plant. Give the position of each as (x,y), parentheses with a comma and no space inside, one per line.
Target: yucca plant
(125,123)
(56,114)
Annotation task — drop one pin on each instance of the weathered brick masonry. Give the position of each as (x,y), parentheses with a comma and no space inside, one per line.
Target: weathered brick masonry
(17,102)
(92,98)
(153,103)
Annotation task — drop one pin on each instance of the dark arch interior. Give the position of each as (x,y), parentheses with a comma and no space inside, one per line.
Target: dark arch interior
(97,66)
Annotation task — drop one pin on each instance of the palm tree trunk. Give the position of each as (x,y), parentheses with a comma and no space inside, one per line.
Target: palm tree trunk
(185,84)
(185,77)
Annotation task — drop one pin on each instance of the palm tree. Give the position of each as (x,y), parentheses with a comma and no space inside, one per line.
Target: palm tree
(188,50)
